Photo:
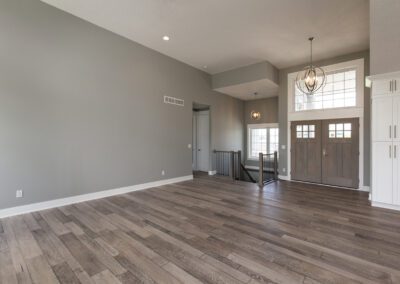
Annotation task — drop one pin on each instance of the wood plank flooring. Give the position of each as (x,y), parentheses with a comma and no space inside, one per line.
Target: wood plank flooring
(209,230)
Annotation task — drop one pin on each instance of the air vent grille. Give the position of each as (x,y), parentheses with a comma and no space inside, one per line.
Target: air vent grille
(174,101)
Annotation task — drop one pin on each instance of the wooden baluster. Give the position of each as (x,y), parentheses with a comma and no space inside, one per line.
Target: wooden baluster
(261,169)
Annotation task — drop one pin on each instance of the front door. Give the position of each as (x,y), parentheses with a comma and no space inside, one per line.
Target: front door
(340,152)
(326,151)
(306,151)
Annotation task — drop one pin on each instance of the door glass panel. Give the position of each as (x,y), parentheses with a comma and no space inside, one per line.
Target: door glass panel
(339,126)
(299,128)
(339,134)
(305,134)
(312,134)
(331,126)
(332,134)
(347,134)
(312,127)
(347,126)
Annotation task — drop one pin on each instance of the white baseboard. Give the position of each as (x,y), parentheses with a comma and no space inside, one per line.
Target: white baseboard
(283,177)
(384,205)
(365,188)
(212,173)
(8,212)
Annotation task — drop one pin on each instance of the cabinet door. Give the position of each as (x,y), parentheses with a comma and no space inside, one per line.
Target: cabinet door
(382,87)
(382,128)
(396,173)
(396,85)
(382,172)
(396,118)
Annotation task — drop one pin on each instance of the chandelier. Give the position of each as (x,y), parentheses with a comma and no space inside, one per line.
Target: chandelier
(311,78)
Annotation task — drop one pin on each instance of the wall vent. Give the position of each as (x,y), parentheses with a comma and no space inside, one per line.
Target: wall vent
(174,101)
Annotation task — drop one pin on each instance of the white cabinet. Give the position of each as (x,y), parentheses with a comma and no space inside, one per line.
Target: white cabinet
(382,173)
(396,118)
(386,86)
(396,173)
(385,122)
(382,118)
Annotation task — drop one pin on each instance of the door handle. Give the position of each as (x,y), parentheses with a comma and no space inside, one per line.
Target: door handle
(390,85)
(199,150)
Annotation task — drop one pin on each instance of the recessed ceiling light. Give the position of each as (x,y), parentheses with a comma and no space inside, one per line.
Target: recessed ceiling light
(166,38)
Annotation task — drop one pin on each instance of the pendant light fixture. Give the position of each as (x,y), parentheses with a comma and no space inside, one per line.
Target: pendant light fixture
(311,78)
(255,115)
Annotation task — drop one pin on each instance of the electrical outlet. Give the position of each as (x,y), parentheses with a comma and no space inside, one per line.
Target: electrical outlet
(163,173)
(19,193)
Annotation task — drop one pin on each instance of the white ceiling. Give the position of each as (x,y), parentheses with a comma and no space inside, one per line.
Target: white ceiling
(226,34)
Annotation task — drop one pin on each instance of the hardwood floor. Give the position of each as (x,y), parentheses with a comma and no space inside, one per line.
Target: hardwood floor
(209,230)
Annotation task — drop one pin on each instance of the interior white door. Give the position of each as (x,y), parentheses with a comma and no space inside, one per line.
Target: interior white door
(203,140)
(382,127)
(194,142)
(382,172)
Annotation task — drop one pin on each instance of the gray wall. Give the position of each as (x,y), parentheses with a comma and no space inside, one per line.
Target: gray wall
(283,111)
(269,114)
(81,109)
(384,36)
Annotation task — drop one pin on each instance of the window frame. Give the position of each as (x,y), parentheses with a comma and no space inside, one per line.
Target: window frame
(250,127)
(330,113)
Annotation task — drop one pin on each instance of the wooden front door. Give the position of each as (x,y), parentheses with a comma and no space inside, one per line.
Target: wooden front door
(306,151)
(340,152)
(326,151)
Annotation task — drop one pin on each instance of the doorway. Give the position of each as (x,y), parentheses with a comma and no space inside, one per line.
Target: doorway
(201,138)
(326,151)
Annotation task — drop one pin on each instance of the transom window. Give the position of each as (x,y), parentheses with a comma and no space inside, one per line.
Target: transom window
(340,130)
(338,92)
(305,131)
(262,138)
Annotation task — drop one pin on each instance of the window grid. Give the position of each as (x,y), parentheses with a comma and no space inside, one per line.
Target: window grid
(340,130)
(305,131)
(339,91)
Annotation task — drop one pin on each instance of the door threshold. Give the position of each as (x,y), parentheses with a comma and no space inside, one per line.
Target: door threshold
(329,185)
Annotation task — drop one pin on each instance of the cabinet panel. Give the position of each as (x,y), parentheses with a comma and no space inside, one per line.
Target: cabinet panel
(382,87)
(382,172)
(382,128)
(396,173)
(396,118)
(396,85)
